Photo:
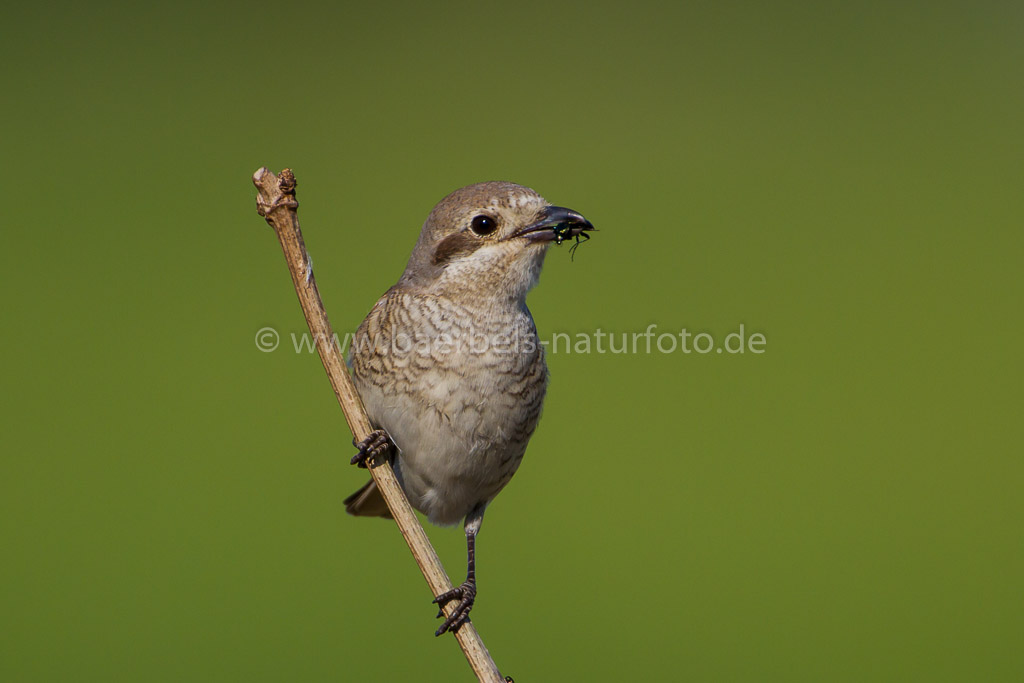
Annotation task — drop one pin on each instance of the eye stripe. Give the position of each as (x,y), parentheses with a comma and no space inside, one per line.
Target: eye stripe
(459,244)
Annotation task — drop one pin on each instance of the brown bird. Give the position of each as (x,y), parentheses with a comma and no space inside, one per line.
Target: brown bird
(448,362)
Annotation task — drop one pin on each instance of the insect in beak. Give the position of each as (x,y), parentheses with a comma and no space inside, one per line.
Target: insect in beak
(556,224)
(563,231)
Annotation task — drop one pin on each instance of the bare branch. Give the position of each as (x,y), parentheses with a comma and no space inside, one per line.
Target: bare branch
(276,202)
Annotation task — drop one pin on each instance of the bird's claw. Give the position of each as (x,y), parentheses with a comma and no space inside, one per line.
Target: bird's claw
(377,443)
(466,595)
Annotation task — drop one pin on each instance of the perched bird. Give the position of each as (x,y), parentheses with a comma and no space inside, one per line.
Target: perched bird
(448,363)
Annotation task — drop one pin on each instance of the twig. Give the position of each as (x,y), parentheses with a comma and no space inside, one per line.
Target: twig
(276,202)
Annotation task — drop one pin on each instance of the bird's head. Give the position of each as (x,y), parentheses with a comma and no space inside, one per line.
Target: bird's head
(489,239)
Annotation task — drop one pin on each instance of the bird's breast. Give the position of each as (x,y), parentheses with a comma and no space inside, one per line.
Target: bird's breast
(458,389)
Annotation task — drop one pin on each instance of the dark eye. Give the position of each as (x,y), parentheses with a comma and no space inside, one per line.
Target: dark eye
(483,225)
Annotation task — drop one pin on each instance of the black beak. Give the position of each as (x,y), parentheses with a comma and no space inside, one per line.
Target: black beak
(556,222)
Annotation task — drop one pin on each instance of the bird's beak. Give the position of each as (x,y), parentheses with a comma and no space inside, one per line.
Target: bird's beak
(556,222)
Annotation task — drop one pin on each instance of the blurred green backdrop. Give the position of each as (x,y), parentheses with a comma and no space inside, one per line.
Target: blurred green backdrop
(844,178)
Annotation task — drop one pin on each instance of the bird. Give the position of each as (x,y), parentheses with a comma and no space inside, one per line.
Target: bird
(449,365)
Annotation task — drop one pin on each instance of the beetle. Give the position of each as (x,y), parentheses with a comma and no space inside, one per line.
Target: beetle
(563,231)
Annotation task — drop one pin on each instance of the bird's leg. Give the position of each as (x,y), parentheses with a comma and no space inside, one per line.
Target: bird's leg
(466,593)
(377,443)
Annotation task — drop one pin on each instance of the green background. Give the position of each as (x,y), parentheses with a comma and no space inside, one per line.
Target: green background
(845,178)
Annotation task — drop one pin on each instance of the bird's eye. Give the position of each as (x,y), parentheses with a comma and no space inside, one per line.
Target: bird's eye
(483,225)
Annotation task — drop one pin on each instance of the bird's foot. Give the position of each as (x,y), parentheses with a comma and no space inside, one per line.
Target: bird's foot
(466,595)
(377,443)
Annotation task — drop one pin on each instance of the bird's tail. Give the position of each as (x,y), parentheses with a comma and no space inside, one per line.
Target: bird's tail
(367,502)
